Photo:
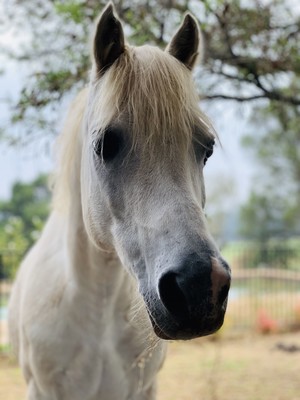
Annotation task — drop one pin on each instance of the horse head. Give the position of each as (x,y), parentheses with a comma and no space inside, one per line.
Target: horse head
(145,144)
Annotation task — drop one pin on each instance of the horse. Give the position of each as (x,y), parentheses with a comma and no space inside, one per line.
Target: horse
(125,262)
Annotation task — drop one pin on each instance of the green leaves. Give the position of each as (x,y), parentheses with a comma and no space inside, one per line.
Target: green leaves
(70,10)
(252,51)
(247,46)
(21,219)
(273,209)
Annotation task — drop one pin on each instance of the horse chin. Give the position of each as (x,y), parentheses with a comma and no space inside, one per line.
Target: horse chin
(158,331)
(171,330)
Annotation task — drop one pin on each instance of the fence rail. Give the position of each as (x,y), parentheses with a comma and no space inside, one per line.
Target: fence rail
(265,291)
(263,295)
(267,273)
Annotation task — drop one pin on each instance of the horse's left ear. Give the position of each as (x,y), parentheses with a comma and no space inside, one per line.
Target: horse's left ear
(109,40)
(185,44)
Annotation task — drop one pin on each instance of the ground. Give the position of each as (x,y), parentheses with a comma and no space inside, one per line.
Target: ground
(251,367)
(248,368)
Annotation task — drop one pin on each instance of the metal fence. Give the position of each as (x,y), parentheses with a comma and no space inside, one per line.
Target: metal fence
(265,293)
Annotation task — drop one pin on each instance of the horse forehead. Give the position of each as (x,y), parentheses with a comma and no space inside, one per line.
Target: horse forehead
(147,53)
(151,94)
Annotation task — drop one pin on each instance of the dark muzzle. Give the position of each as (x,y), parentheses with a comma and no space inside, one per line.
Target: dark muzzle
(193,298)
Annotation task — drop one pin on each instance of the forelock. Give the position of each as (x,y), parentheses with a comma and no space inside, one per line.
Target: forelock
(156,93)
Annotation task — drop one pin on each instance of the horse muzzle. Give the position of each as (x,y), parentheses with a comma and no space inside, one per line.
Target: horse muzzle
(191,299)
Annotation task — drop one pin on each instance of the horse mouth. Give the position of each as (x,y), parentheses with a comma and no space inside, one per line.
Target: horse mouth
(158,331)
(188,329)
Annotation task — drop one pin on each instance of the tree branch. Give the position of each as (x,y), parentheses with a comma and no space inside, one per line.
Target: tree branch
(275,96)
(240,99)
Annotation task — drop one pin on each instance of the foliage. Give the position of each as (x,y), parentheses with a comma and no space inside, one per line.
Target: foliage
(273,209)
(275,253)
(223,223)
(251,55)
(21,219)
(251,52)
(261,222)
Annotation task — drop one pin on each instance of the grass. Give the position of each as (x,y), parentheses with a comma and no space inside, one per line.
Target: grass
(245,368)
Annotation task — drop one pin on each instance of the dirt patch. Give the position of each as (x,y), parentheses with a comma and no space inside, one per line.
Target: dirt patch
(12,386)
(251,368)
(248,368)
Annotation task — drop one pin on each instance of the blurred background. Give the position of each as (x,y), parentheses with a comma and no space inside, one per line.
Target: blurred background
(249,85)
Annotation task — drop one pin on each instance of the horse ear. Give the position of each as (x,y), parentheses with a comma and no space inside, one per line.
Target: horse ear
(185,44)
(109,40)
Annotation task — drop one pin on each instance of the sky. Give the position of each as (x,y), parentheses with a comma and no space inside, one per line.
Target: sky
(230,165)
(16,163)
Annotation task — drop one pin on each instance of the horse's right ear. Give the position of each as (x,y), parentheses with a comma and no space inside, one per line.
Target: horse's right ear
(109,40)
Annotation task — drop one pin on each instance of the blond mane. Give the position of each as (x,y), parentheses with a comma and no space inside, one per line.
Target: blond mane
(153,91)
(68,154)
(156,92)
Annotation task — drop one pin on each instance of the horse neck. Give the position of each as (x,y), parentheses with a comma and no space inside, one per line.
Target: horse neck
(88,264)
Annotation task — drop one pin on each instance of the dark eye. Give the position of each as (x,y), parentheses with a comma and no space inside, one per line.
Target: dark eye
(207,155)
(109,145)
(209,151)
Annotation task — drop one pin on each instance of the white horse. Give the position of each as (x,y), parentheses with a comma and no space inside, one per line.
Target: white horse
(125,261)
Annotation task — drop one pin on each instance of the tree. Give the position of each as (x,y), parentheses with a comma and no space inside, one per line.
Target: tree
(222,224)
(259,221)
(266,225)
(13,245)
(278,186)
(251,55)
(21,220)
(252,49)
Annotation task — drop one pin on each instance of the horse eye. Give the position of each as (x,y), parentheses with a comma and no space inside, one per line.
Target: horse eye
(109,145)
(207,155)
(209,152)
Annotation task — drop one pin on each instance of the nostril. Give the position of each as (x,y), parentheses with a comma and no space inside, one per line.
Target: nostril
(225,265)
(220,278)
(223,293)
(171,295)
